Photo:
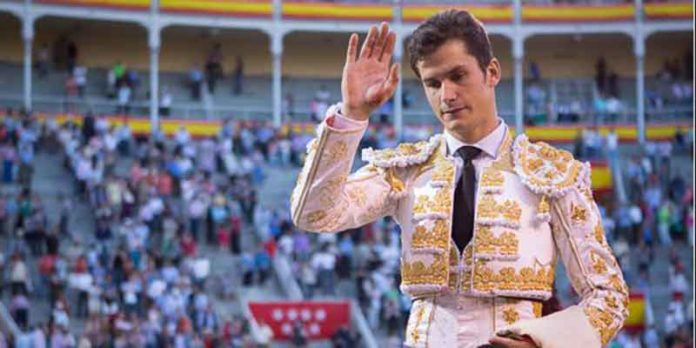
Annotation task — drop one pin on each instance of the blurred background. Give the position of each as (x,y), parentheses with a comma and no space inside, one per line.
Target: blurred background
(149,148)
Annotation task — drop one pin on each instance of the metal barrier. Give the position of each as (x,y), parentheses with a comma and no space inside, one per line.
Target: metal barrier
(283,271)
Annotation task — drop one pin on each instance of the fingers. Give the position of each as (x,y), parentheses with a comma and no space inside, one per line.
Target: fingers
(352,48)
(379,43)
(509,343)
(388,48)
(393,79)
(368,45)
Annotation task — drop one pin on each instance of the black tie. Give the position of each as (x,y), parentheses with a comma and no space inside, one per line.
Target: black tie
(463,215)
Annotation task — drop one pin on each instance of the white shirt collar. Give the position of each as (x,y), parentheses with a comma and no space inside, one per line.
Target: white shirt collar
(488,144)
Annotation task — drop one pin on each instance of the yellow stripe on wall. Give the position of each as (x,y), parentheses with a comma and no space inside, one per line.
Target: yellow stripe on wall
(681,9)
(110,3)
(336,11)
(218,6)
(577,12)
(483,13)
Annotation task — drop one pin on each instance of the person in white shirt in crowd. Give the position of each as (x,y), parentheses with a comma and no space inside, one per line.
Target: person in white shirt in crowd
(324,263)
(165,102)
(123,97)
(80,75)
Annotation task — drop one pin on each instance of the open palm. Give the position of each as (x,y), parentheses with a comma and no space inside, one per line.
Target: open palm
(368,80)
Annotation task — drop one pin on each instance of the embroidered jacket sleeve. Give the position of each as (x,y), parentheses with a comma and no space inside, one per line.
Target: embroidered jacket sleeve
(326,198)
(588,259)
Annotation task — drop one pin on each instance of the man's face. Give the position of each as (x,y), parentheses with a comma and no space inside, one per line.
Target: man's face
(460,94)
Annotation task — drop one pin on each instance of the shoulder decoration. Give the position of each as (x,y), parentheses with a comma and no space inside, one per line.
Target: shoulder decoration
(404,155)
(548,171)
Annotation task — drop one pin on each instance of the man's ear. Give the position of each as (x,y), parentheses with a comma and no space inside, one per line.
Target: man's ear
(493,72)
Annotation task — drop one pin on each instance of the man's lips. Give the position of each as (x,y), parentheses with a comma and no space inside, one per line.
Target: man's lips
(453,110)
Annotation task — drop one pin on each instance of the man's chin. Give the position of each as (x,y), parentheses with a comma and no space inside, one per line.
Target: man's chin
(456,126)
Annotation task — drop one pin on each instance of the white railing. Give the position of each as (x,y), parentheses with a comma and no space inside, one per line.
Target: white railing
(198,111)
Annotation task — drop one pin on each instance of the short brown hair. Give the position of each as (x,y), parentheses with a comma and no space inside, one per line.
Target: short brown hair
(447,25)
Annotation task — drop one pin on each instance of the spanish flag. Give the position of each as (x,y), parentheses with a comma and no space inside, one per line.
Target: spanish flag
(636,313)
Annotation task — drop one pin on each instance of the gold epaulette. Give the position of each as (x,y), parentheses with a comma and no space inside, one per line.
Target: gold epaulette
(548,171)
(404,155)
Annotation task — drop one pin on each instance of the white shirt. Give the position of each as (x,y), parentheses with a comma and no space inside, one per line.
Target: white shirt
(489,146)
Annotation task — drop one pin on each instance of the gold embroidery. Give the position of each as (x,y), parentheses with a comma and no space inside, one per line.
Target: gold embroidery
(509,278)
(357,195)
(489,209)
(336,152)
(323,220)
(578,214)
(418,273)
(545,168)
(511,210)
(599,233)
(504,161)
(329,191)
(587,192)
(537,308)
(543,206)
(394,182)
(492,178)
(598,263)
(611,302)
(437,237)
(508,243)
(603,322)
(484,278)
(421,204)
(486,243)
(486,208)
(444,170)
(510,315)
(375,210)
(404,149)
(468,255)
(441,202)
(618,284)
(315,216)
(415,336)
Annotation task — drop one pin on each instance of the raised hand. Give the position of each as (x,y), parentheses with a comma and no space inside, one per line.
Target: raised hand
(368,81)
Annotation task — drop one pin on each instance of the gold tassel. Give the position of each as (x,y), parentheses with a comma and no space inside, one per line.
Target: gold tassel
(543,210)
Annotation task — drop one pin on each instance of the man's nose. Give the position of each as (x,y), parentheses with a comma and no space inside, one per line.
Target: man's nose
(447,93)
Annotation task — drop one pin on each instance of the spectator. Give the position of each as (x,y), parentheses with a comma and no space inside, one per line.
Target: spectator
(19,307)
(213,67)
(42,61)
(238,76)
(80,79)
(324,263)
(195,80)
(265,335)
(262,264)
(124,97)
(166,102)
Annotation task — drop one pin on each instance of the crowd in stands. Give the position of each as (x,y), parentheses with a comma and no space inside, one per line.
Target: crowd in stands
(668,95)
(139,279)
(157,201)
(656,218)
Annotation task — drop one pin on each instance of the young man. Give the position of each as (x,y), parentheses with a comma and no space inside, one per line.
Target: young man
(483,215)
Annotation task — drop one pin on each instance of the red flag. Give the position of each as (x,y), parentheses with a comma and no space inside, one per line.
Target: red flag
(320,320)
